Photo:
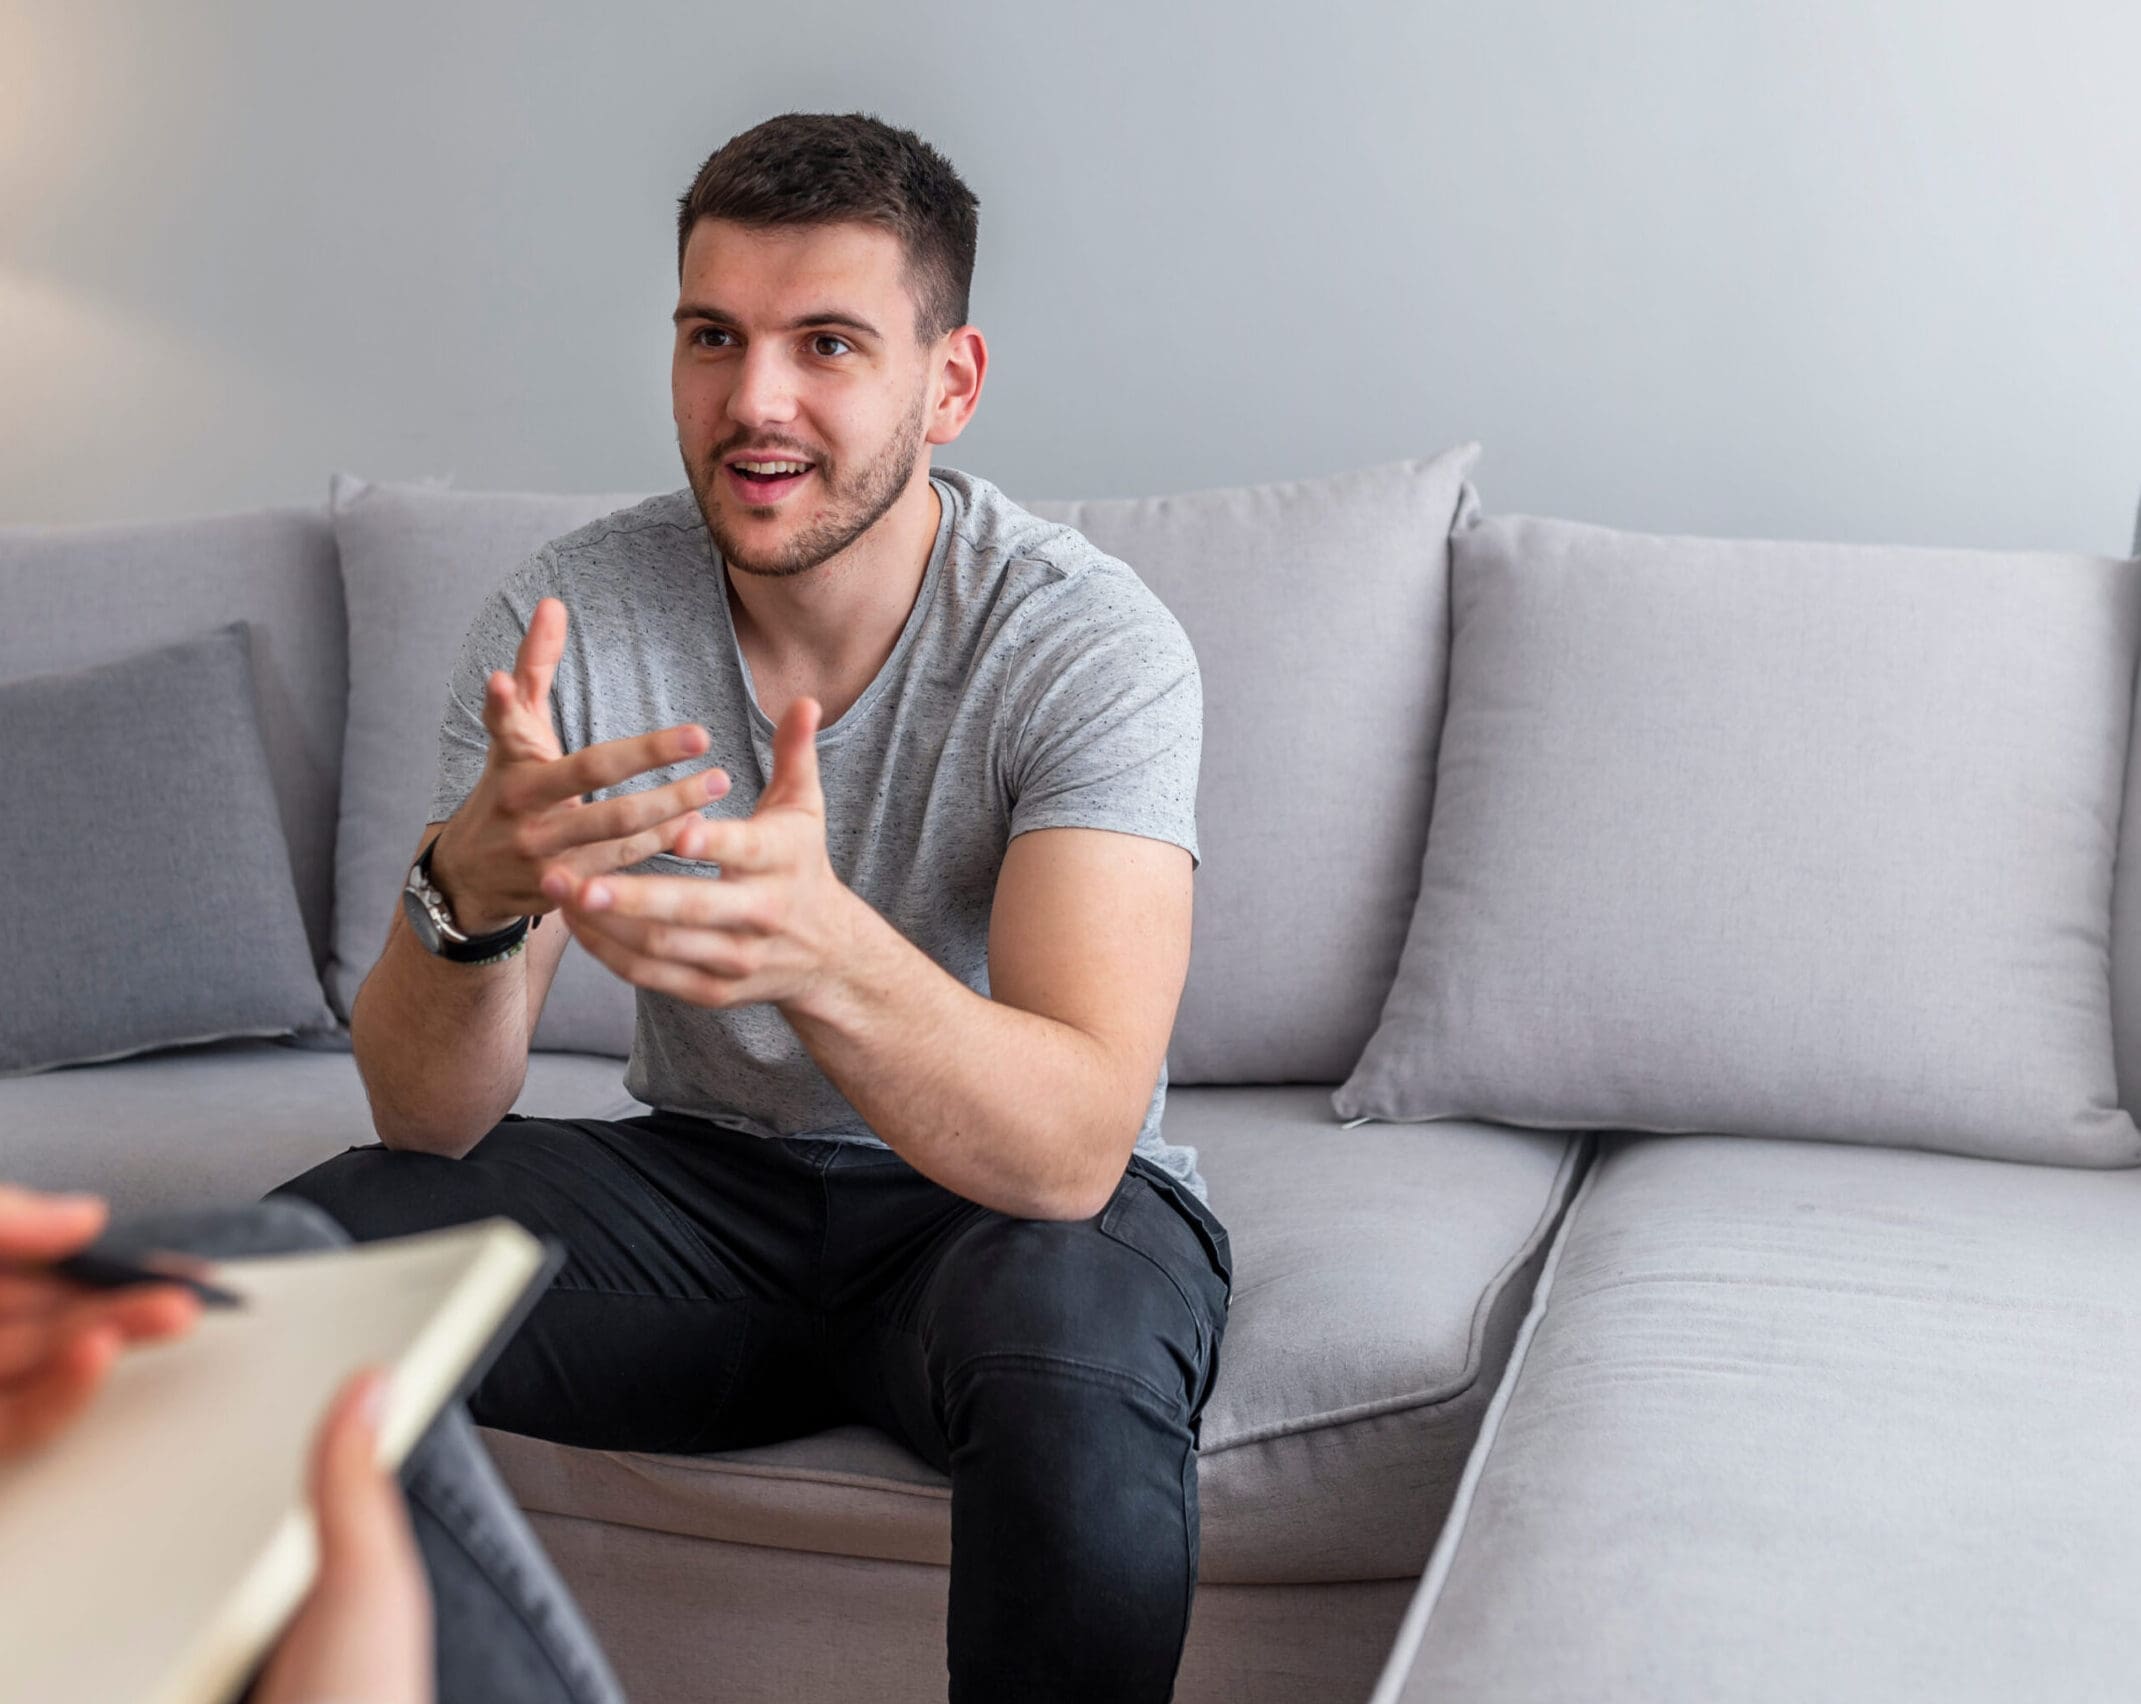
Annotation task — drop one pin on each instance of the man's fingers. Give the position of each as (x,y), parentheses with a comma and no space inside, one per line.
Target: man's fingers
(540,648)
(604,856)
(516,731)
(628,815)
(594,767)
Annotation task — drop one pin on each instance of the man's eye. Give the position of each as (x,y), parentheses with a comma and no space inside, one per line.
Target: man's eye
(708,331)
(828,337)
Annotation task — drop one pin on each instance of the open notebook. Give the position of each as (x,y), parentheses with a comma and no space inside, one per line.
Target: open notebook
(152,1552)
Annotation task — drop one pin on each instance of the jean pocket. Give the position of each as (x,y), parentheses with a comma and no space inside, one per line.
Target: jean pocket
(1218,1247)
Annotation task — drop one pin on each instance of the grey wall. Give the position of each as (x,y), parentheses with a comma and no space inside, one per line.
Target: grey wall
(1826,269)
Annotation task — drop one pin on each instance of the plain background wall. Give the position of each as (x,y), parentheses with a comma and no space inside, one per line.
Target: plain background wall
(1837,268)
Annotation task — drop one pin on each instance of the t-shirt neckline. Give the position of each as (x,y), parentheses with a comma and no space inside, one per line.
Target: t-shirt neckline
(891,665)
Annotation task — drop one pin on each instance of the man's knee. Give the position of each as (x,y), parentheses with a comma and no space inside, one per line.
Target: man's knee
(376,1191)
(1068,1293)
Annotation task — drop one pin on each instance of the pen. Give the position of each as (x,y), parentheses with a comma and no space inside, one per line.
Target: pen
(108,1272)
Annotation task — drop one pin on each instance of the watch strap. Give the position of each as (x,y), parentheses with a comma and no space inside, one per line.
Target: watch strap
(477,949)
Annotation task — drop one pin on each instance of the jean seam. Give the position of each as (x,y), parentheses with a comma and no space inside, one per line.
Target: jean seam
(559,1285)
(657,1197)
(1065,1366)
(1158,1266)
(719,1406)
(1165,1184)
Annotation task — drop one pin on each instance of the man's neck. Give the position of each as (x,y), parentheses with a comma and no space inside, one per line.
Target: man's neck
(828,631)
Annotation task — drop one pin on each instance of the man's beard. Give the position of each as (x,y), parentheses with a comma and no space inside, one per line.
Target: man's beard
(877,488)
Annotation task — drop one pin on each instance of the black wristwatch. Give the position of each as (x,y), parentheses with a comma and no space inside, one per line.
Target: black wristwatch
(432,922)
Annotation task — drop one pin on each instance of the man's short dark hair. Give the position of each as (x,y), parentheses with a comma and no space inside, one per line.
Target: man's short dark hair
(821,168)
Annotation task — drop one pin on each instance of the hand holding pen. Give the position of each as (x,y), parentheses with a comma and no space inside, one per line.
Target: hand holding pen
(62,1321)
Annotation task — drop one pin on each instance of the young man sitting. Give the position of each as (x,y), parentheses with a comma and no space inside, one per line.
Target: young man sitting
(905,962)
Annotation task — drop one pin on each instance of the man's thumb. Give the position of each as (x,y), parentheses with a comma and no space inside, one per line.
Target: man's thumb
(516,729)
(795,757)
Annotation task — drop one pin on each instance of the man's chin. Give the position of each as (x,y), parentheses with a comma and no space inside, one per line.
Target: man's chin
(788,562)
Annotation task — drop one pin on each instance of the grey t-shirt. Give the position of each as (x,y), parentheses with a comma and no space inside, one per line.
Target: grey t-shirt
(1038,683)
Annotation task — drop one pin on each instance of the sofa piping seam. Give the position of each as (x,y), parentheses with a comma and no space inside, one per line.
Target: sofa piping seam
(1558,1201)
(1412,1630)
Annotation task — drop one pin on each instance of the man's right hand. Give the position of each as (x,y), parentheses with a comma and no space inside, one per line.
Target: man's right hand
(525,814)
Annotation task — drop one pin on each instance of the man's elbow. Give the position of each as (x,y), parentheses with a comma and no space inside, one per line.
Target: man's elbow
(412,1139)
(1094,1187)
(426,1125)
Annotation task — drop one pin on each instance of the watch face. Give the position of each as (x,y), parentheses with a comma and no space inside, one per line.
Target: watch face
(421,920)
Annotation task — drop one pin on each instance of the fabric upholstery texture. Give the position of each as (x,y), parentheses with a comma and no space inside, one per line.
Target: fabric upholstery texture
(150,898)
(1374,1305)
(1319,612)
(208,1126)
(82,594)
(686,1621)
(417,560)
(2126,918)
(1798,1420)
(1771,839)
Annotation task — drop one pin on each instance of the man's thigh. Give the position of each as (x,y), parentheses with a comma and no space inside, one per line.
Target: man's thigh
(1137,1296)
(667,1328)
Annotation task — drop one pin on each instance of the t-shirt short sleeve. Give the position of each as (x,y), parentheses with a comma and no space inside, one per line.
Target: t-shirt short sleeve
(1107,717)
(491,643)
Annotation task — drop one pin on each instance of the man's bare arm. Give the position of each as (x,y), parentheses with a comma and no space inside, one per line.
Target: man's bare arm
(1028,1099)
(443,1046)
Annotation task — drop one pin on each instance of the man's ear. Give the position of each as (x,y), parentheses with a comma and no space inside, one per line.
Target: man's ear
(959,372)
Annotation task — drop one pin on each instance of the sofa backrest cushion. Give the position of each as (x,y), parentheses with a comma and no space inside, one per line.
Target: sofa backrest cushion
(1771,839)
(82,594)
(150,901)
(417,561)
(1319,612)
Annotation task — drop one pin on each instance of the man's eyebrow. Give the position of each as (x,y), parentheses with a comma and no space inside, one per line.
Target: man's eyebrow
(824,316)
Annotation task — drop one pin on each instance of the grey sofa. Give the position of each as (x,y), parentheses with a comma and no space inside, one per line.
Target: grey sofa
(1505,1410)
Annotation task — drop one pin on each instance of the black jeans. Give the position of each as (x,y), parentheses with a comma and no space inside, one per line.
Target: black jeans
(723,1289)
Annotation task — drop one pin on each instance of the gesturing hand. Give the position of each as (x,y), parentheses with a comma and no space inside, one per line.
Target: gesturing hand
(525,816)
(773,928)
(57,1340)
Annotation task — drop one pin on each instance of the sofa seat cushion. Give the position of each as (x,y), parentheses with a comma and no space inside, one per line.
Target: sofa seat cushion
(1802,1420)
(1380,1275)
(208,1126)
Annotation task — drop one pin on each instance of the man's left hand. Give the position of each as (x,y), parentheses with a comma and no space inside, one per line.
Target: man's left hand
(772,929)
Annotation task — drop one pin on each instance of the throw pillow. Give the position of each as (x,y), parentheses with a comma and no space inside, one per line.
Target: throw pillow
(93,592)
(151,898)
(1770,838)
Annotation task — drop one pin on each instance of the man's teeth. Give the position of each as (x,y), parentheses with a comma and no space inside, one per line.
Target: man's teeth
(774,467)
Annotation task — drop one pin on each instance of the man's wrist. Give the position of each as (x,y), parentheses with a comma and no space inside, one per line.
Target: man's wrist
(447,884)
(855,930)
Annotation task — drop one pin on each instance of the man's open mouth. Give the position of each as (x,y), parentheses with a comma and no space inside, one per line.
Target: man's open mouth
(763,481)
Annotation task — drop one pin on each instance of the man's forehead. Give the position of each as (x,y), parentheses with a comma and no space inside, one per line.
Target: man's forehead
(785,265)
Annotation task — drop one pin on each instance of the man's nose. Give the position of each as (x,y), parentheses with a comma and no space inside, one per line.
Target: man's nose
(765,387)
